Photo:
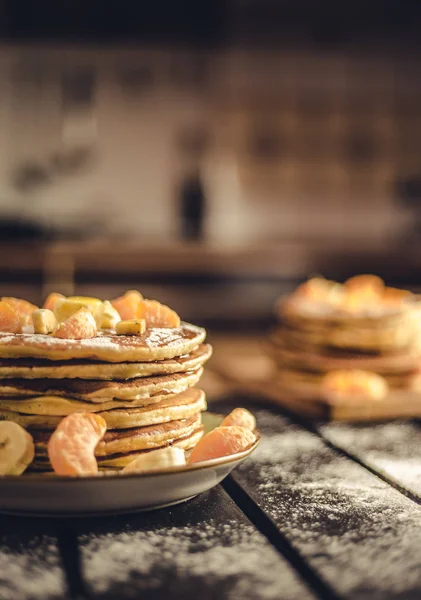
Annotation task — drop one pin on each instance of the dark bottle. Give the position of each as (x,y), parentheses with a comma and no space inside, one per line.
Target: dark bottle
(192,207)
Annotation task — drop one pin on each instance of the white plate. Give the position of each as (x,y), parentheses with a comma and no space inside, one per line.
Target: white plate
(77,496)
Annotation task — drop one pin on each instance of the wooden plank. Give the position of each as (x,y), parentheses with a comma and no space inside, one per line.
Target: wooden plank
(358,533)
(390,449)
(30,561)
(205,548)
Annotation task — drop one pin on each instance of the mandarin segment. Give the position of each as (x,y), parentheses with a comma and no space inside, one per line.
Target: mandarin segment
(240,417)
(80,326)
(361,291)
(363,283)
(319,290)
(22,307)
(157,314)
(71,448)
(51,299)
(127,305)
(357,294)
(10,321)
(66,307)
(355,382)
(222,441)
(395,296)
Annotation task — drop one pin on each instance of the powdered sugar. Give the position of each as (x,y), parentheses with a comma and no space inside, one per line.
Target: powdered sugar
(359,532)
(31,572)
(155,344)
(153,338)
(391,448)
(196,560)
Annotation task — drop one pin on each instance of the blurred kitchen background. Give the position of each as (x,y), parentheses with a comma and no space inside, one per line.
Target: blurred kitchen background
(212,154)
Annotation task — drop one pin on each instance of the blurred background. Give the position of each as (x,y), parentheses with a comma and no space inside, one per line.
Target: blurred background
(212,154)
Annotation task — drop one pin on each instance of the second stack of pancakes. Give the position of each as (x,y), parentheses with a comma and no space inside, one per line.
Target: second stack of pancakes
(144,387)
(362,324)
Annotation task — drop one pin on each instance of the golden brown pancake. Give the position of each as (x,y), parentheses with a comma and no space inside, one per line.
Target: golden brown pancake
(169,409)
(384,340)
(311,381)
(121,441)
(38,368)
(375,320)
(154,344)
(121,460)
(61,406)
(328,359)
(307,313)
(99,391)
(117,460)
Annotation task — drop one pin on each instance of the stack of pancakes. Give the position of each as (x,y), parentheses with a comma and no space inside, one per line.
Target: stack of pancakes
(143,386)
(335,329)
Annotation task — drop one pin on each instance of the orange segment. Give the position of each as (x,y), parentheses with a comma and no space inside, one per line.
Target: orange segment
(355,382)
(395,297)
(127,305)
(71,448)
(22,307)
(365,282)
(222,441)
(240,417)
(10,321)
(318,290)
(157,314)
(51,300)
(80,326)
(362,291)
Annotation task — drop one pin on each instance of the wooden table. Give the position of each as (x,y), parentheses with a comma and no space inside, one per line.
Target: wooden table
(319,511)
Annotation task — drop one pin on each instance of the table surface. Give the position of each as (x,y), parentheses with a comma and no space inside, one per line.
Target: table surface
(319,511)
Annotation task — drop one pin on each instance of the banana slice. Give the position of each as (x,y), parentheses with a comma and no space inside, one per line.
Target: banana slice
(66,307)
(106,316)
(156,460)
(16,448)
(131,327)
(44,321)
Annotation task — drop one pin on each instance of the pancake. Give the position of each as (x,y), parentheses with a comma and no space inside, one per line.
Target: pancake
(377,339)
(38,368)
(169,409)
(118,460)
(61,407)
(312,381)
(305,313)
(99,391)
(155,344)
(137,438)
(324,359)
(121,460)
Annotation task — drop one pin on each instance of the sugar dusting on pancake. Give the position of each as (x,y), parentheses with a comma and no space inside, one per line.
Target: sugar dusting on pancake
(85,366)
(155,344)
